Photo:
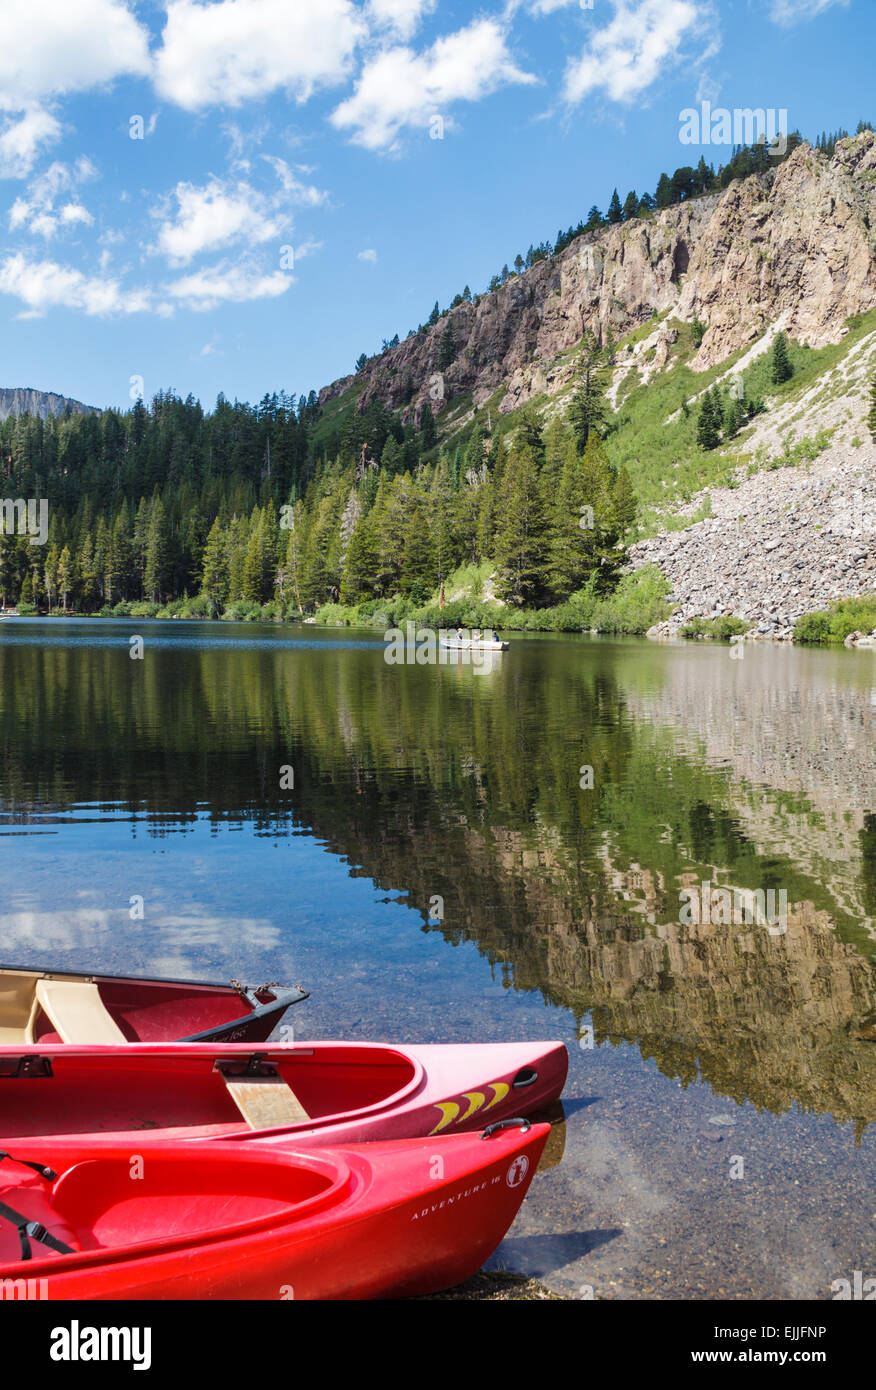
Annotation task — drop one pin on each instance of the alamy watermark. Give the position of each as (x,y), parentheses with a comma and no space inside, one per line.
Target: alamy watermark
(744,125)
(742,907)
(20,518)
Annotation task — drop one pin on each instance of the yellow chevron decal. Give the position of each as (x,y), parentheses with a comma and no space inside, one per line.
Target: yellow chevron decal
(501,1088)
(475,1101)
(449,1111)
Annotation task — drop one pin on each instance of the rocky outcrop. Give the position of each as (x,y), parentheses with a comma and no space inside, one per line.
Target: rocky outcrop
(19,400)
(797,245)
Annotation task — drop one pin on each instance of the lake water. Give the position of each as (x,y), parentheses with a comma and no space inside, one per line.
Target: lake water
(438,872)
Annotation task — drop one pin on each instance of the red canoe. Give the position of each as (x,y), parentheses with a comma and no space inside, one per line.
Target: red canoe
(42,1007)
(226,1221)
(314,1093)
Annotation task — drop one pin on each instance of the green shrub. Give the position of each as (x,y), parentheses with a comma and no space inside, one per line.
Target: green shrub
(833,625)
(638,601)
(716,629)
(813,628)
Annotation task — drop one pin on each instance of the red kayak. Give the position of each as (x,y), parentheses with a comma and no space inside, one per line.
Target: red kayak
(314,1093)
(226,1221)
(42,1007)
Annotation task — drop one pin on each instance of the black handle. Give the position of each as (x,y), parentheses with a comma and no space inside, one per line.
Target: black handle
(498,1125)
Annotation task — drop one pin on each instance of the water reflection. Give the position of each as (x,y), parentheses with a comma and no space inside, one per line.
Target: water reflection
(438,782)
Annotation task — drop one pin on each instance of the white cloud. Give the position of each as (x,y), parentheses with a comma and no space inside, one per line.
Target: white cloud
(22,140)
(636,48)
(369,255)
(307,248)
(237,50)
(403,17)
(227,283)
(401,88)
(51,48)
(794,11)
(299,192)
(35,209)
(217,215)
(44,285)
(72,213)
(543,7)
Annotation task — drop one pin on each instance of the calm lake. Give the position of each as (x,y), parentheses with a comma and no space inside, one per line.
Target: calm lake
(438,872)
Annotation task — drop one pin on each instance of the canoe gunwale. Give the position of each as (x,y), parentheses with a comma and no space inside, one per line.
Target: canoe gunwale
(95,976)
(282,1001)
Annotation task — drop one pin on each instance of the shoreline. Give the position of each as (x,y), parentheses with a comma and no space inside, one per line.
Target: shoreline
(727,631)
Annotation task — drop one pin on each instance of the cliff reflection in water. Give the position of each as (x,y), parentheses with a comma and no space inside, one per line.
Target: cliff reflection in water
(442,782)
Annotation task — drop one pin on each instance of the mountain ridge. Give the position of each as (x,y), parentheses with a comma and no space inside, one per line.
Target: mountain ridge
(26,400)
(796,244)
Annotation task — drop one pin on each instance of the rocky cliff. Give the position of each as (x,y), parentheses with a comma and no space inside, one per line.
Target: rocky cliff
(795,246)
(18,400)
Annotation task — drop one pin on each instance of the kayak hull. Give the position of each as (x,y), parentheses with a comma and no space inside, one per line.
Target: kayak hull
(348,1092)
(189,1221)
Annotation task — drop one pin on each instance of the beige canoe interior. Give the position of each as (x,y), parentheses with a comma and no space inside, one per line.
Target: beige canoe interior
(73,1007)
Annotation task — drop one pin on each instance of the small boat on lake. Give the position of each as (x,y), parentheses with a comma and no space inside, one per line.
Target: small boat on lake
(307,1092)
(226,1221)
(45,1007)
(470,644)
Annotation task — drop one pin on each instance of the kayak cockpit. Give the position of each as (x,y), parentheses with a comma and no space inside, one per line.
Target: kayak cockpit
(107,1203)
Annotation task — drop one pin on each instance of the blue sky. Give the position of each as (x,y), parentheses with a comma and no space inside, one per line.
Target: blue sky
(313,174)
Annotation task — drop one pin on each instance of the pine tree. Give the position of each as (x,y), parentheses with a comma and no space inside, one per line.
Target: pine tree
(447,350)
(215,569)
(416,565)
(664,191)
(155,571)
(360,562)
(631,207)
(427,428)
(521,537)
(708,425)
(65,576)
(7,568)
(732,418)
(293,563)
(50,576)
(625,502)
(588,408)
(87,573)
(615,211)
(119,565)
(781,362)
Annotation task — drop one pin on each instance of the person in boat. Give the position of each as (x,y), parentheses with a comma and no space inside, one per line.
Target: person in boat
(459,632)
(476,635)
(496,637)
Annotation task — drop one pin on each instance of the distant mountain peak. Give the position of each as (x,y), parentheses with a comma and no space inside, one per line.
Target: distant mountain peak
(24,400)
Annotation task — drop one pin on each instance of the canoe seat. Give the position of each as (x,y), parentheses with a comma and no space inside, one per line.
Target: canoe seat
(266,1102)
(77,1012)
(18,1008)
